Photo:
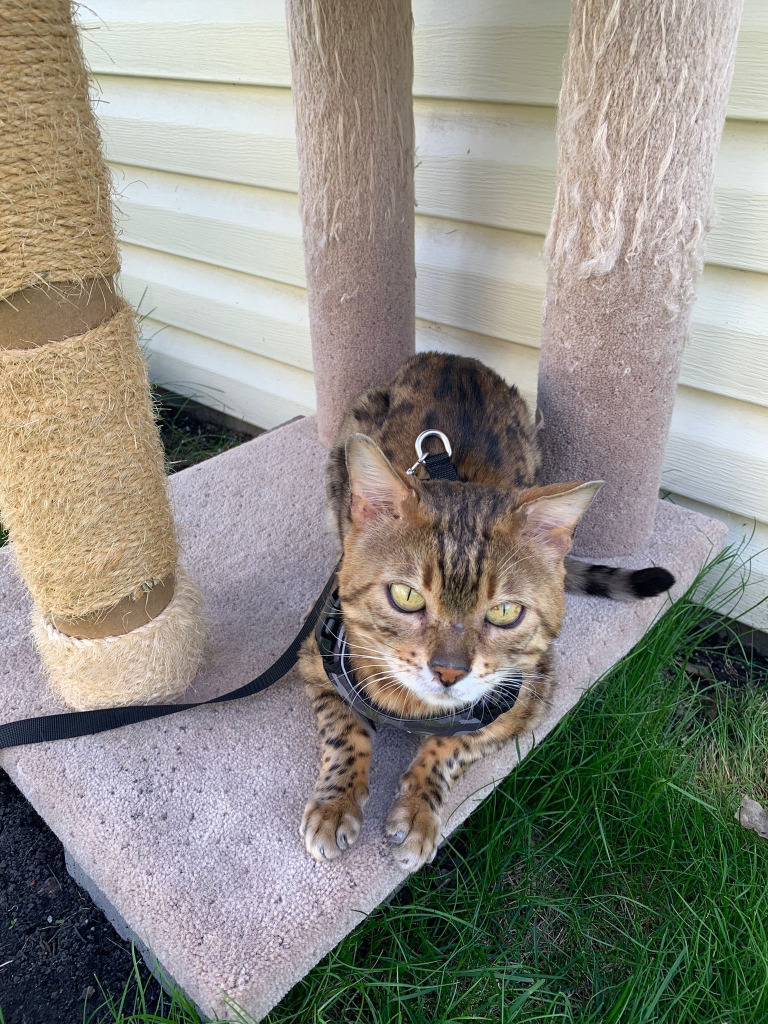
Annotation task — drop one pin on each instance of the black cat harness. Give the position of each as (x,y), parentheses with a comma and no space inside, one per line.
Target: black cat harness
(325,618)
(333,645)
(334,648)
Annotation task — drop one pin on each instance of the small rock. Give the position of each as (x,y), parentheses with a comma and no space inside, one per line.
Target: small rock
(88,993)
(752,816)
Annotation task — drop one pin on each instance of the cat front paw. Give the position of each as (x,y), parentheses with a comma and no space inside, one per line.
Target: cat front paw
(413,830)
(330,826)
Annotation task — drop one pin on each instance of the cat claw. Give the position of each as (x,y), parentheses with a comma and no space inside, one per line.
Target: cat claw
(331,827)
(413,832)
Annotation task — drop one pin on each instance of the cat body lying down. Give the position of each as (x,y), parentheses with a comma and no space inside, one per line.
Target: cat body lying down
(447,590)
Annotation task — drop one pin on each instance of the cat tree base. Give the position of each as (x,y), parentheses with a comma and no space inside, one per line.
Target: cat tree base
(186,829)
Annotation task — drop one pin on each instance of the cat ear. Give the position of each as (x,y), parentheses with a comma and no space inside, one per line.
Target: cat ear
(551,514)
(377,491)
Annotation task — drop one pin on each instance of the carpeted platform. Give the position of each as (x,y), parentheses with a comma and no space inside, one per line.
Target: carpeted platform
(188,827)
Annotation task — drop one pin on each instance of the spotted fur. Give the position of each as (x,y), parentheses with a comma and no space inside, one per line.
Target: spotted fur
(498,536)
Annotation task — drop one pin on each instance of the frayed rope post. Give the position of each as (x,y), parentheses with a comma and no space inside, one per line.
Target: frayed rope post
(82,481)
(641,113)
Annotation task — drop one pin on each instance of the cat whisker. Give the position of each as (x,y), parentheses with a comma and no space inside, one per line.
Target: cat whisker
(393,683)
(356,654)
(394,687)
(507,685)
(511,562)
(377,678)
(499,696)
(494,697)
(374,640)
(505,679)
(500,704)
(385,657)
(372,659)
(353,645)
(520,686)
(381,658)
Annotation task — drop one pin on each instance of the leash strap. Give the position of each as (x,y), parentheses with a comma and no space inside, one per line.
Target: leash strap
(441,467)
(71,724)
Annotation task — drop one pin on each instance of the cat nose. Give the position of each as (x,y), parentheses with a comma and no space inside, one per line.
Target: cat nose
(449,672)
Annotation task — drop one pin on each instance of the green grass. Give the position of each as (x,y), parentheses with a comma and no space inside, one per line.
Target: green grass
(605,881)
(189,434)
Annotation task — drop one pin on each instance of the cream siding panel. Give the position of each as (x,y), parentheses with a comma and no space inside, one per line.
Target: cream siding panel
(715,453)
(214,131)
(223,377)
(480,50)
(242,41)
(254,230)
(248,312)
(749,540)
(483,163)
(475,278)
(198,124)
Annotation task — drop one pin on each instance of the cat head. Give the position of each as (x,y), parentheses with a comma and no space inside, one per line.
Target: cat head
(449,590)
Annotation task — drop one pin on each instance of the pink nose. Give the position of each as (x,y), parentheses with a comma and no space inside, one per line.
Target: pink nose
(449,673)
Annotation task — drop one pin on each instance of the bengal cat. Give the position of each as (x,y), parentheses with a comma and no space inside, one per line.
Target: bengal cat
(446,589)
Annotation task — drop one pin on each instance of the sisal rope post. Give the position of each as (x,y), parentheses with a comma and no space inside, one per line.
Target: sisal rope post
(352,74)
(641,113)
(82,482)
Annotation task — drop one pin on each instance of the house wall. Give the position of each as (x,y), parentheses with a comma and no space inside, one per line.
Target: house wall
(198,126)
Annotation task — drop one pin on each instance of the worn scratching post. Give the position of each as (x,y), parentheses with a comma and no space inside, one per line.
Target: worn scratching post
(641,113)
(82,483)
(352,72)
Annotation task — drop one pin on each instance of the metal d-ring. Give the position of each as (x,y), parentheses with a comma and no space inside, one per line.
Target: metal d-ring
(422,455)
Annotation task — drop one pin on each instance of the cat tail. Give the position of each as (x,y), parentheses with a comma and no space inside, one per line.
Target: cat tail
(616,584)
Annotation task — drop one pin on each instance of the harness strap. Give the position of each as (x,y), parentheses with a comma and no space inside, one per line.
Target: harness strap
(69,725)
(331,639)
(441,467)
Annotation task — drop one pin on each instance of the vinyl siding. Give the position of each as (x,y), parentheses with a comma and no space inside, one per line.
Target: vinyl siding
(196,113)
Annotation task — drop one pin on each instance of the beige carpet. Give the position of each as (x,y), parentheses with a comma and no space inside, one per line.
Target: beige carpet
(188,827)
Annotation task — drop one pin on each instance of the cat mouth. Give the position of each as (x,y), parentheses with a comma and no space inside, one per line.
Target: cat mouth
(462,695)
(400,689)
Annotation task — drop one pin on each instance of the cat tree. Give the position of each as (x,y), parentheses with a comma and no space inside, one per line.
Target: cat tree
(185,830)
(82,484)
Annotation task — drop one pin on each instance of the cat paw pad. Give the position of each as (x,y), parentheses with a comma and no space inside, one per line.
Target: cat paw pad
(413,830)
(330,827)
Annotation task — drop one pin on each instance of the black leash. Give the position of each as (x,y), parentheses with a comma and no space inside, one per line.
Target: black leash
(69,725)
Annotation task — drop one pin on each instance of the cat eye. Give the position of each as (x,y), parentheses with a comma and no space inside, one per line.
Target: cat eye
(406,598)
(506,614)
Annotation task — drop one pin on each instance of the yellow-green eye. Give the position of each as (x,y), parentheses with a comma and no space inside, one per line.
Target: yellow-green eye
(508,613)
(406,598)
